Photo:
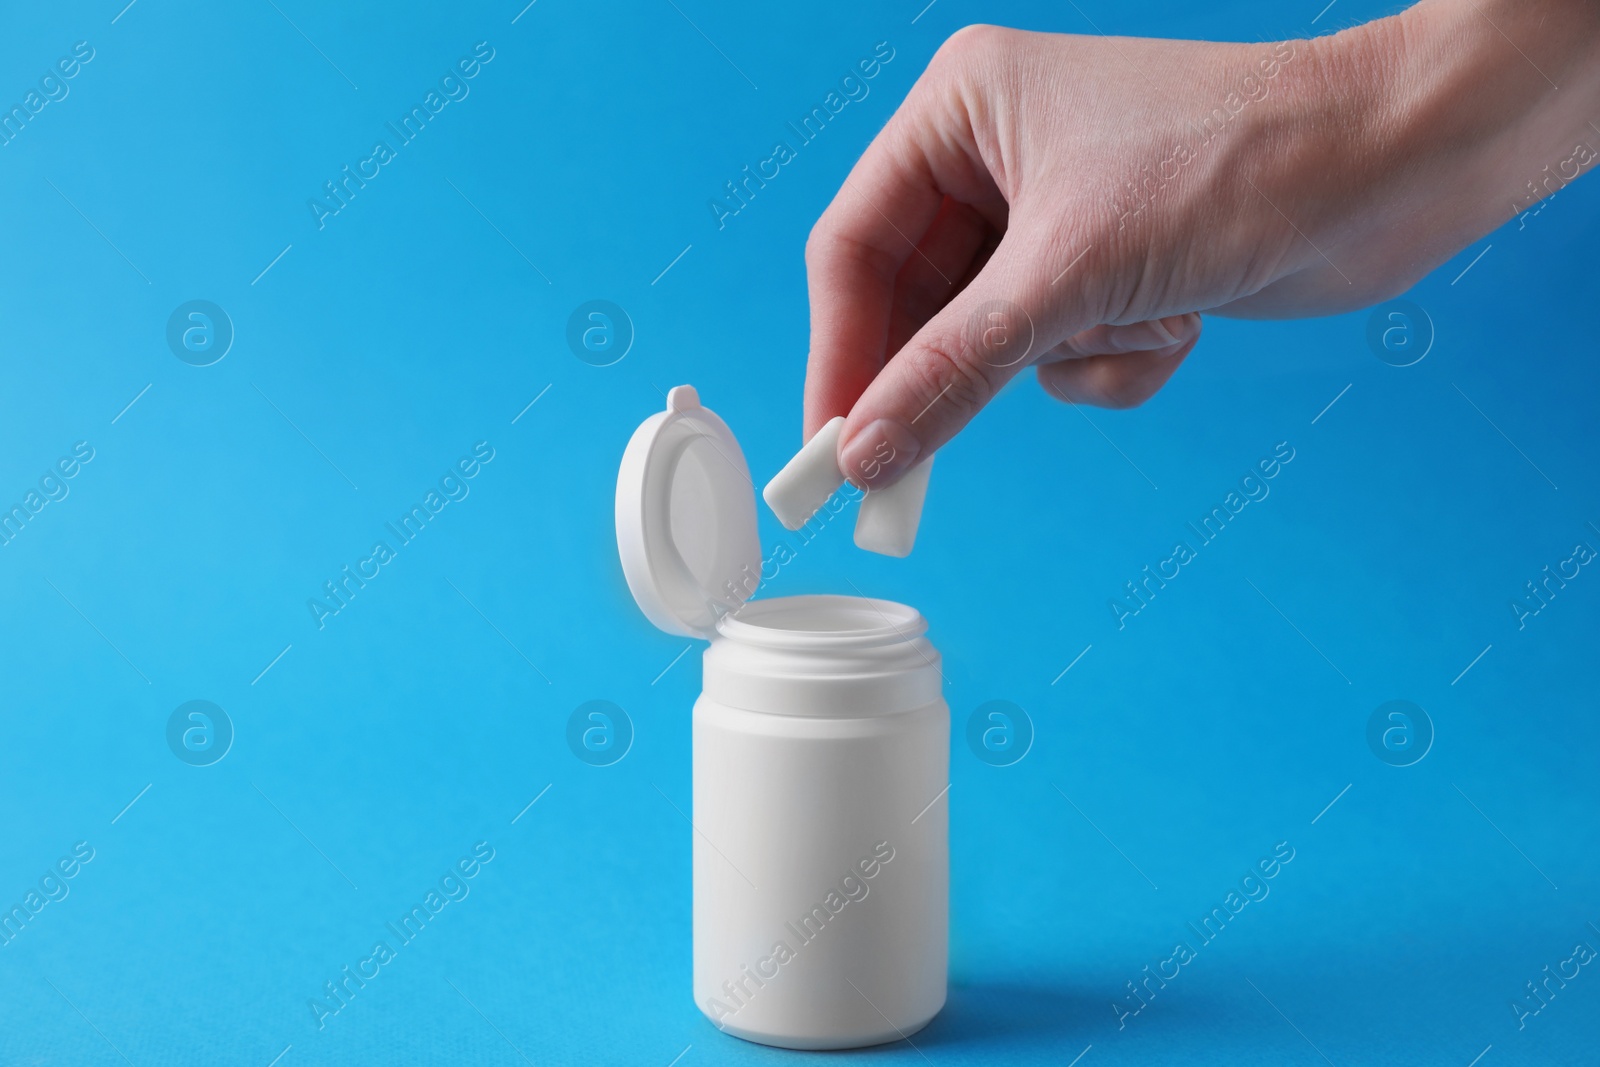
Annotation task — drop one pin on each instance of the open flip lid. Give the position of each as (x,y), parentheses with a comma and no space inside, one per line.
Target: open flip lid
(686,518)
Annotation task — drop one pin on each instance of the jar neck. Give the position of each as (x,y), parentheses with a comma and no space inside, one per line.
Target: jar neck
(827,656)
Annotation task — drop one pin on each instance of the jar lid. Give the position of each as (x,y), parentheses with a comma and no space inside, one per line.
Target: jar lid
(686,518)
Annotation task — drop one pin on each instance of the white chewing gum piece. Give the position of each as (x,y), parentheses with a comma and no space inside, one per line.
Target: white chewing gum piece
(809,479)
(887,523)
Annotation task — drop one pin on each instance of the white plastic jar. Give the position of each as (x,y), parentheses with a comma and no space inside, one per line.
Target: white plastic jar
(821,763)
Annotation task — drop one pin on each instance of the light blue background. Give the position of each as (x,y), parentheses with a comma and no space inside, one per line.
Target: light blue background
(423,718)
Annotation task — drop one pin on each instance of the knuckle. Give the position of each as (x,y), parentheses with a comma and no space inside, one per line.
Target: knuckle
(819,240)
(943,372)
(828,246)
(969,41)
(828,237)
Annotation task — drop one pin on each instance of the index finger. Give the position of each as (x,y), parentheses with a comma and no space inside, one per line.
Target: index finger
(853,255)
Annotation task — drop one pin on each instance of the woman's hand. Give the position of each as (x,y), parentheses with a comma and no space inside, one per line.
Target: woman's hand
(1073,202)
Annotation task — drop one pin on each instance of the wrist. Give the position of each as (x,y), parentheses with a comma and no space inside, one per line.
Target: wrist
(1467,112)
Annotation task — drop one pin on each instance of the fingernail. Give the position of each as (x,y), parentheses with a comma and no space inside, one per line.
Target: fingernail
(1171,350)
(1163,332)
(1184,326)
(878,454)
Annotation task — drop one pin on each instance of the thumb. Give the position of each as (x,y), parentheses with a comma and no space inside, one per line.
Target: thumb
(1000,323)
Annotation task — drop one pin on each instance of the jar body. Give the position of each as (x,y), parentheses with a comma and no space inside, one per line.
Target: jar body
(821,856)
